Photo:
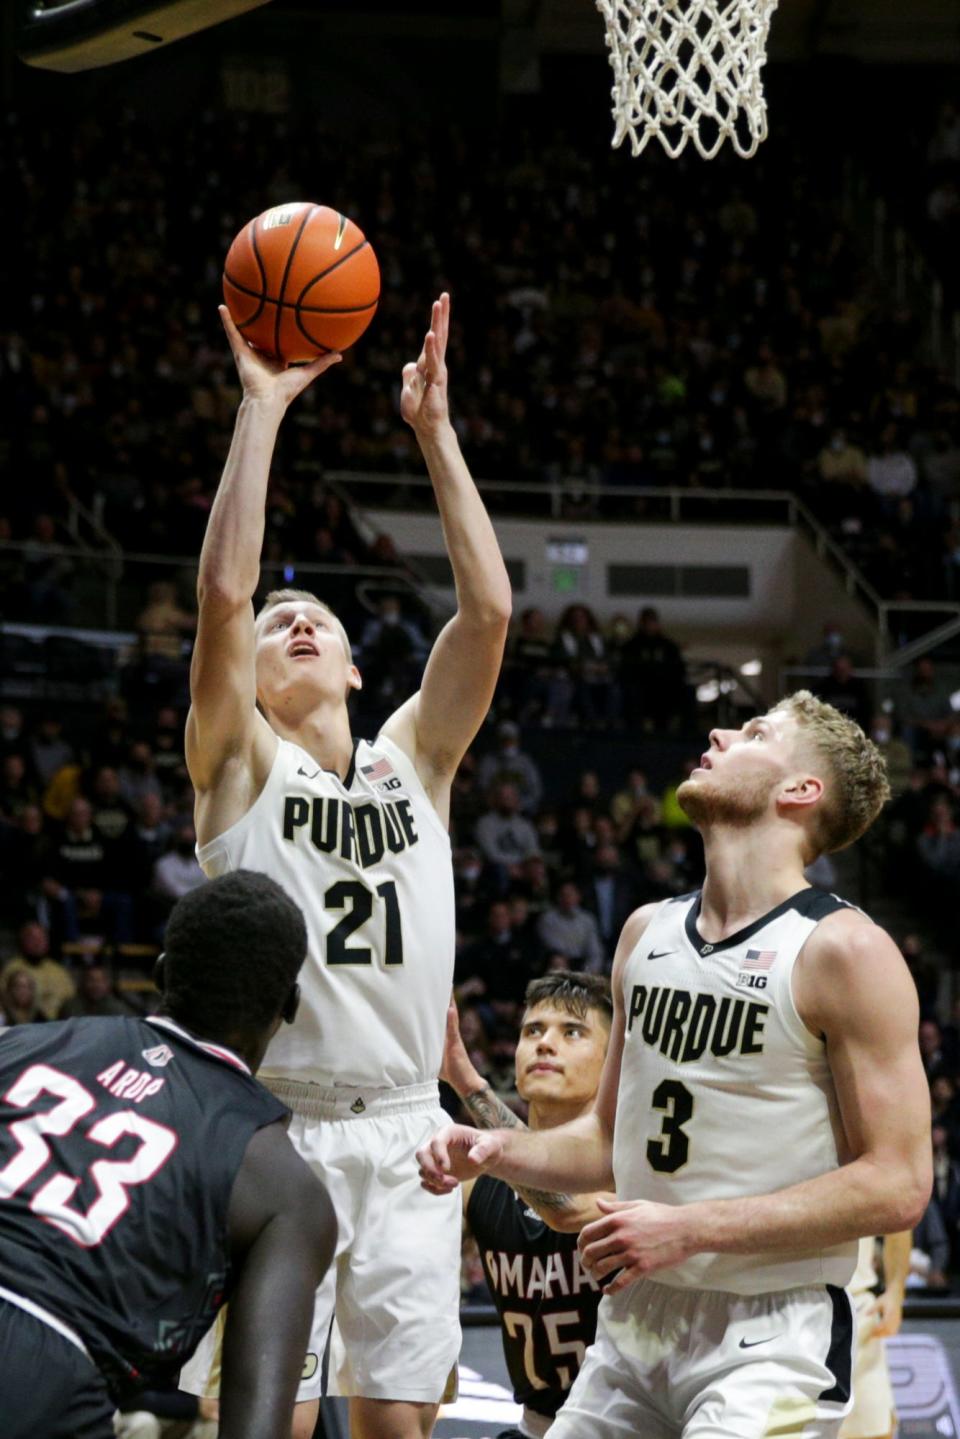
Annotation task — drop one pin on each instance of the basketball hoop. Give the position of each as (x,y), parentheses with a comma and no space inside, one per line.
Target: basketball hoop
(688,70)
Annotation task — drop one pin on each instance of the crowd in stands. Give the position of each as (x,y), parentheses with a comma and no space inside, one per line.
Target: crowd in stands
(612,323)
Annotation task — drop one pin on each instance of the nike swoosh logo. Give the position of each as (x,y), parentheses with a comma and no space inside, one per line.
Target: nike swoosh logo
(659,954)
(302,771)
(752,1344)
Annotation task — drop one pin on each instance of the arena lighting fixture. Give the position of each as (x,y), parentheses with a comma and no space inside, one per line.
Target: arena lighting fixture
(955,700)
(71,35)
(751,668)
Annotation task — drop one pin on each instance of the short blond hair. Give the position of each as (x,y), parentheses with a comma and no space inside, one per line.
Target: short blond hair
(286,597)
(856,787)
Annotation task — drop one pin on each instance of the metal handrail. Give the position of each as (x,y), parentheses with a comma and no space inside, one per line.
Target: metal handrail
(855,582)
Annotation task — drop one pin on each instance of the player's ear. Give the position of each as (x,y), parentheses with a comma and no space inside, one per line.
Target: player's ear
(354,679)
(291,1004)
(801,790)
(160,973)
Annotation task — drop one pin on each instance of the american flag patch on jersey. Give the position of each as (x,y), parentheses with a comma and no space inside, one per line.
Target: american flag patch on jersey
(383,769)
(758,959)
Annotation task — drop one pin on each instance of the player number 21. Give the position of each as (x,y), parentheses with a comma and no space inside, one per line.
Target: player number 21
(357,901)
(111,1177)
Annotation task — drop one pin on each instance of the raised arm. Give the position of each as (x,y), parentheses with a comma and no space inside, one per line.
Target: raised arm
(852,987)
(567,1213)
(436,725)
(574,1158)
(226,739)
(283,1229)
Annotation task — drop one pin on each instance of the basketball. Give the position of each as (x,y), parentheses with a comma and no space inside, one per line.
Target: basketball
(301,280)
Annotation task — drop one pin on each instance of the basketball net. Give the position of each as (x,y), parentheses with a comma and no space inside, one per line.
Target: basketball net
(688,70)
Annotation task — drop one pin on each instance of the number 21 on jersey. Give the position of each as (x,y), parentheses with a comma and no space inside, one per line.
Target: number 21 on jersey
(358,902)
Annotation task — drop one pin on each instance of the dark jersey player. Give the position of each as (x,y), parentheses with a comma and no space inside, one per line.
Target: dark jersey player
(146,1176)
(546,1299)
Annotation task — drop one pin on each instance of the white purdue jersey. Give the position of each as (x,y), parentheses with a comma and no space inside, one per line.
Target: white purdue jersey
(368,861)
(724,1092)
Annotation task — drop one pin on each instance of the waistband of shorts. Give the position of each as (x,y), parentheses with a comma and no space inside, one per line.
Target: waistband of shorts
(45,1317)
(352,1101)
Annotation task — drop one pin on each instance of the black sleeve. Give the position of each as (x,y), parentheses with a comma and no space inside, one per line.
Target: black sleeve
(283,1232)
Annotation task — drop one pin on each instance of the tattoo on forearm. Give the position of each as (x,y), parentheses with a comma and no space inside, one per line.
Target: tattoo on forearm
(488,1111)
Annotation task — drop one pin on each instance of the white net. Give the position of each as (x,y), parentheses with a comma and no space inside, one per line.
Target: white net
(688,70)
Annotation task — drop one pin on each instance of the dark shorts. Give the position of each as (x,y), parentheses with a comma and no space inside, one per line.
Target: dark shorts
(49,1389)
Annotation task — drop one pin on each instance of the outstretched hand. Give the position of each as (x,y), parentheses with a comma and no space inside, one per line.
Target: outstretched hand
(456,1067)
(423,399)
(266,379)
(454,1153)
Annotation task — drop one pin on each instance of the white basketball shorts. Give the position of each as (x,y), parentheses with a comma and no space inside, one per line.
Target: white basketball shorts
(395,1282)
(707,1365)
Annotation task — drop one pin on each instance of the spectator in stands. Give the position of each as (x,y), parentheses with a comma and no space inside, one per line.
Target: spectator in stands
(832,644)
(896,752)
(505,837)
(137,775)
(13,738)
(946,1197)
(111,814)
(541,687)
(891,471)
(946,1111)
(503,959)
(17,789)
(566,928)
(177,872)
(925,711)
(765,382)
(652,676)
(95,997)
(80,886)
(841,464)
(938,848)
(48,749)
(48,573)
(52,983)
(18,998)
(926,976)
(625,802)
(166,744)
(931,1049)
(842,689)
(111,738)
(392,651)
(508,763)
(610,894)
(580,648)
(533,885)
(163,625)
(24,861)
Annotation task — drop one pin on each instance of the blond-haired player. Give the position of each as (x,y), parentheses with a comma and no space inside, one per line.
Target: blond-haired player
(879,1317)
(763,1105)
(356,831)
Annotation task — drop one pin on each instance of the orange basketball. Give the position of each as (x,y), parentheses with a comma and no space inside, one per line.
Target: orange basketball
(301,280)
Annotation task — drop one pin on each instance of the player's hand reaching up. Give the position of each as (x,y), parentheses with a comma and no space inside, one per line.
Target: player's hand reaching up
(266,379)
(454,1153)
(636,1238)
(423,399)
